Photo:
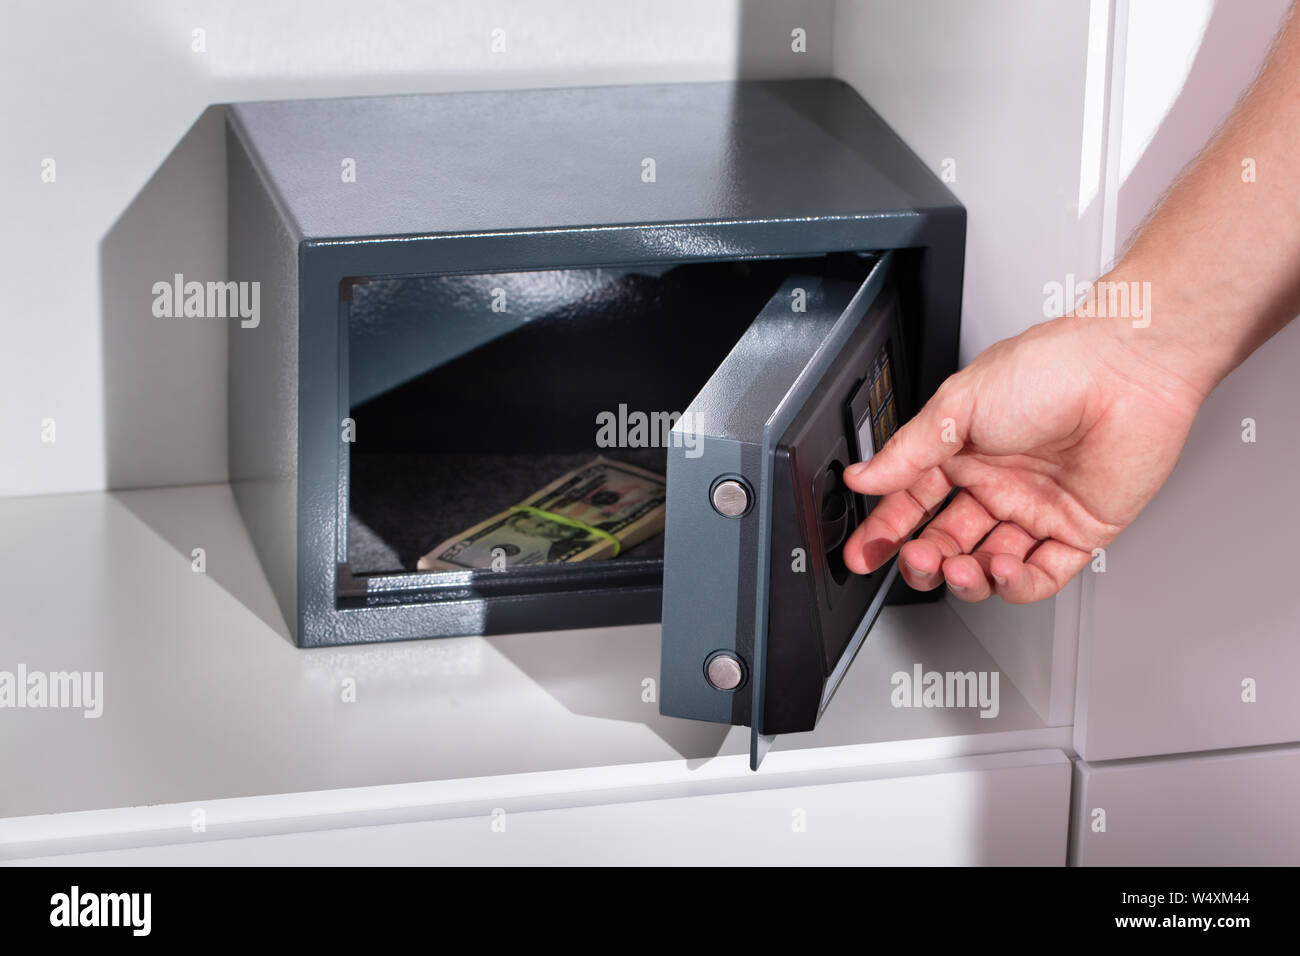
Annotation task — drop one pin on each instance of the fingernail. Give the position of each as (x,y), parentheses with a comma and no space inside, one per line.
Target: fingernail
(1000,581)
(956,587)
(856,469)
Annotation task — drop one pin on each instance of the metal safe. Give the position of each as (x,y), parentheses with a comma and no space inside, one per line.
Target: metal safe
(455,286)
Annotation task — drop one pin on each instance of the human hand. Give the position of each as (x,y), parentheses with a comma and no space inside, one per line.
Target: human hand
(1057,438)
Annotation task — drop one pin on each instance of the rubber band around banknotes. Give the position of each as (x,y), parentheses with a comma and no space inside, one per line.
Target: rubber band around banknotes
(561,519)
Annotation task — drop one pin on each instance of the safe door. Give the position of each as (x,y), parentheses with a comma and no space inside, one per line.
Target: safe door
(761,618)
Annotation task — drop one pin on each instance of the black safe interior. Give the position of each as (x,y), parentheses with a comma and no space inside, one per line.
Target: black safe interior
(487,406)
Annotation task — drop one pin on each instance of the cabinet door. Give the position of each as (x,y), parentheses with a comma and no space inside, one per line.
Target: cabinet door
(1191,639)
(1227,808)
(761,617)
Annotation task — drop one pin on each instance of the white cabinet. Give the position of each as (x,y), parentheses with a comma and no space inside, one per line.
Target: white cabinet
(1194,639)
(1198,611)
(402,751)
(1240,808)
(997,809)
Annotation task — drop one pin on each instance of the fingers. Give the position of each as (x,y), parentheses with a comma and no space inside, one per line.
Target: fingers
(933,436)
(1000,566)
(966,580)
(1042,574)
(965,547)
(1007,538)
(968,575)
(892,522)
(956,530)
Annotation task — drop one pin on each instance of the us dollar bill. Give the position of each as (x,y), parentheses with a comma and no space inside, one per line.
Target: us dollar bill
(564,521)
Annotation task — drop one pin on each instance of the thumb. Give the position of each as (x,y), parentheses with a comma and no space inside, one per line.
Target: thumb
(934,435)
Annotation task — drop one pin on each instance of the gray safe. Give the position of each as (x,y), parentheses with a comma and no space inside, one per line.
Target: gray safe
(455,286)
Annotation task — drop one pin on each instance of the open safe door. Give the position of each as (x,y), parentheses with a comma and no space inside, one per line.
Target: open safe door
(761,618)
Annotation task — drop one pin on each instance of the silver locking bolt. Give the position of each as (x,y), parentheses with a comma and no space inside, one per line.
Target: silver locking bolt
(724,672)
(730,498)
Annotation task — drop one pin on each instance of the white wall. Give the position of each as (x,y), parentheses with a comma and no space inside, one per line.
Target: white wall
(114,93)
(999,88)
(1011,91)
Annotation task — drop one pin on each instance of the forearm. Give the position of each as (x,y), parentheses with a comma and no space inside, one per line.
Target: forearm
(1222,252)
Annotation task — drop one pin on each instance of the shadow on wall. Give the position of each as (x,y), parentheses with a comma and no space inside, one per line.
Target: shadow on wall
(163,375)
(165,378)
(765,43)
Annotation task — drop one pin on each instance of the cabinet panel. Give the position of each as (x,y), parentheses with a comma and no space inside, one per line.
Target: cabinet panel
(1000,809)
(1198,596)
(1234,808)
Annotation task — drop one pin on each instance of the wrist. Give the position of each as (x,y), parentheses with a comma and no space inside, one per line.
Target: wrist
(1154,324)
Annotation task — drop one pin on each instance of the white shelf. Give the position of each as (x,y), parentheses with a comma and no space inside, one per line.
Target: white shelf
(205,698)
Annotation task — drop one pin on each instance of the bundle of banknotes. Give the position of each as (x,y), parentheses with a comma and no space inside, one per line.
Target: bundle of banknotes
(595,511)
